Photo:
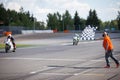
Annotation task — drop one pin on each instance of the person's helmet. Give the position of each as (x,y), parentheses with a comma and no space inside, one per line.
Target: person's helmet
(105,33)
(9,35)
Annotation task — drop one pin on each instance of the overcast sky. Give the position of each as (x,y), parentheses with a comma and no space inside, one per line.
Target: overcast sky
(106,9)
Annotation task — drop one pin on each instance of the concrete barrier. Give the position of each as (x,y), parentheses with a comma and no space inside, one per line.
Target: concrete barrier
(36,31)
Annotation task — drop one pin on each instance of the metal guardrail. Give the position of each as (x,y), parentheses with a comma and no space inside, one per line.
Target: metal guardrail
(13,29)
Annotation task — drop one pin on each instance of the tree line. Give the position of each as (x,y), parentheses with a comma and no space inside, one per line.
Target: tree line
(23,18)
(66,22)
(55,21)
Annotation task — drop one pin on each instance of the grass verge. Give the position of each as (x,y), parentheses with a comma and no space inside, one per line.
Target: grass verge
(2,46)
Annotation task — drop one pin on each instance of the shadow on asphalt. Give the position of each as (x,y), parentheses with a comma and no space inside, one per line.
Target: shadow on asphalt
(2,52)
(76,67)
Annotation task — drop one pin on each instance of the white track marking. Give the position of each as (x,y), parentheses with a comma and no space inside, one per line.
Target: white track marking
(46,59)
(84,42)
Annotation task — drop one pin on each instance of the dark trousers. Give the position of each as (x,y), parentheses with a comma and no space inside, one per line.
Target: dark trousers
(109,54)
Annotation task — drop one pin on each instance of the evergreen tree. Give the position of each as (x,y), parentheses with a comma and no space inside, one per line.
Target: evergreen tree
(89,18)
(118,20)
(114,25)
(49,20)
(92,19)
(13,18)
(3,15)
(76,21)
(59,22)
(82,23)
(67,20)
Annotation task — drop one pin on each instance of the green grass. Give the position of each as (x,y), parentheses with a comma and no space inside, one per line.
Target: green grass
(2,46)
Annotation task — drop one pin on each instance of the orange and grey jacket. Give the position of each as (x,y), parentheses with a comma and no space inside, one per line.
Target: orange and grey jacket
(107,43)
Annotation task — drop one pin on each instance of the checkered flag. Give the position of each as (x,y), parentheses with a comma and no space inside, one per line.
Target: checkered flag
(88,33)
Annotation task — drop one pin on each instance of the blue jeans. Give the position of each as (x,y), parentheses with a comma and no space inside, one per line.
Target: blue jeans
(109,54)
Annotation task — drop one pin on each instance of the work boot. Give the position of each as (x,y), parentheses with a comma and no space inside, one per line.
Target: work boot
(107,67)
(117,65)
(14,49)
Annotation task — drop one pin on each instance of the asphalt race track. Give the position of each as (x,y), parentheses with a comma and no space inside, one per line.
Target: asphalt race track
(58,59)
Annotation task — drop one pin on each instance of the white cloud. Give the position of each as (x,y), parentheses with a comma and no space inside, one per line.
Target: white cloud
(118,3)
(13,6)
(76,5)
(107,13)
(41,13)
(81,8)
(40,8)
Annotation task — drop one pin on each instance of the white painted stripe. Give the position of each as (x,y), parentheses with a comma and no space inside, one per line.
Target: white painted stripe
(94,74)
(37,71)
(57,73)
(33,72)
(89,42)
(74,74)
(46,59)
(85,42)
(82,72)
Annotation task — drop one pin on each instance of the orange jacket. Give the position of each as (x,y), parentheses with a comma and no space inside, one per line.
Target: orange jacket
(107,43)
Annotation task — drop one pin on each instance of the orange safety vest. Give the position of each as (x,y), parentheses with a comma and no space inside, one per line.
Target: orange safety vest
(107,43)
